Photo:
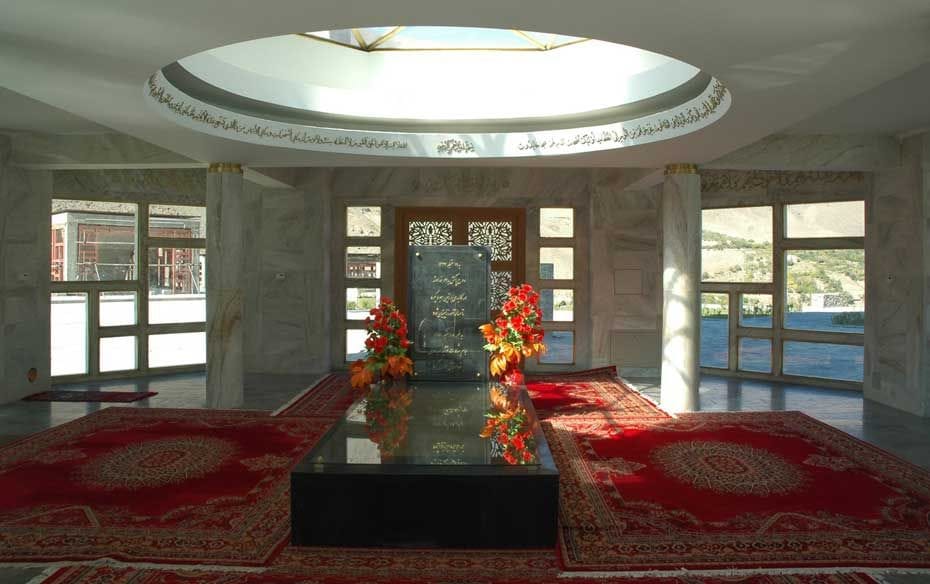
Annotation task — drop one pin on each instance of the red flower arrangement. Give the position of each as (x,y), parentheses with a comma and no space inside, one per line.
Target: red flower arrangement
(508,428)
(386,345)
(515,333)
(387,418)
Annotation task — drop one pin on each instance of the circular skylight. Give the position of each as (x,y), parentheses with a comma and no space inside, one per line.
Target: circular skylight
(437,91)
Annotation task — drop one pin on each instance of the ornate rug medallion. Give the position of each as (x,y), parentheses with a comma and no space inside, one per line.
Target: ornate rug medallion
(726,467)
(169,461)
(733,490)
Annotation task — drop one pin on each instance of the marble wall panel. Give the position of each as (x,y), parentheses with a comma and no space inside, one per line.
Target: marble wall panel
(24,287)
(182,186)
(896,335)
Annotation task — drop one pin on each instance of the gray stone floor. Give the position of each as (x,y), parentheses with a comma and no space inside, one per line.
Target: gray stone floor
(906,435)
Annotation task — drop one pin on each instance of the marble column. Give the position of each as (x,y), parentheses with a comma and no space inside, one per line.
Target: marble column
(225,285)
(681,292)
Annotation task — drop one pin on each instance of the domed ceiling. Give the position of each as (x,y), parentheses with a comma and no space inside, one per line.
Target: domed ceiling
(437,92)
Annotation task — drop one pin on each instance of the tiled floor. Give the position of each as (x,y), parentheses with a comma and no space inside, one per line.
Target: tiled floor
(906,435)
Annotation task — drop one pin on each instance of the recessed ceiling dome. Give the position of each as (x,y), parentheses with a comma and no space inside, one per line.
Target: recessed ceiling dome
(436,91)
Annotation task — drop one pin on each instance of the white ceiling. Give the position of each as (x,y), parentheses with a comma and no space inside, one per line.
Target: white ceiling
(784,62)
(899,106)
(18,113)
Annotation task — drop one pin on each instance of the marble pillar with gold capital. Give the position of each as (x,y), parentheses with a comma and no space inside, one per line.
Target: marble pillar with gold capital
(225,283)
(681,277)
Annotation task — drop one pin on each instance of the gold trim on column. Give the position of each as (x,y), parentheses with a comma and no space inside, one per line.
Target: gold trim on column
(682,168)
(225,167)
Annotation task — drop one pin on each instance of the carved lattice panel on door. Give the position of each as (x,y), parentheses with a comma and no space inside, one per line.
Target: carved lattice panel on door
(501,230)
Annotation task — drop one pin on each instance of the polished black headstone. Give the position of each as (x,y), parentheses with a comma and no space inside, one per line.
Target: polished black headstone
(449,298)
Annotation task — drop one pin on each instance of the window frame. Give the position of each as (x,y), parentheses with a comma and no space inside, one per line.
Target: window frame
(141,330)
(778,334)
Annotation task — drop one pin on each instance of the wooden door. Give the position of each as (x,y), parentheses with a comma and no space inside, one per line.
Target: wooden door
(500,229)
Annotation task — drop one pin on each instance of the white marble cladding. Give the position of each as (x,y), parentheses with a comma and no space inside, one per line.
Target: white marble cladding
(180,186)
(24,280)
(897,341)
(287,308)
(625,291)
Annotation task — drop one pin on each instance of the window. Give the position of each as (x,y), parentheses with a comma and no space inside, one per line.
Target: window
(361,300)
(363,262)
(825,290)
(172,350)
(715,324)
(556,222)
(363,221)
(93,241)
(355,344)
(126,298)
(824,360)
(736,245)
(841,219)
(783,314)
(69,333)
(556,263)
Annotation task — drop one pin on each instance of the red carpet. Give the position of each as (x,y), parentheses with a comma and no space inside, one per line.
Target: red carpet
(60,395)
(734,490)
(437,575)
(181,486)
(331,396)
(592,393)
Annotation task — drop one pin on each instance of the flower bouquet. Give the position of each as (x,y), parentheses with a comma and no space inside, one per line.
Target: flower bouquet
(514,334)
(386,345)
(509,430)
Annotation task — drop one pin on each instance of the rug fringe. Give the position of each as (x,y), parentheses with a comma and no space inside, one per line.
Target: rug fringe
(297,397)
(630,384)
(870,571)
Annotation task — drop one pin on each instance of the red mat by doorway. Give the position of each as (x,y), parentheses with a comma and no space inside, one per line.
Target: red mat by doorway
(60,395)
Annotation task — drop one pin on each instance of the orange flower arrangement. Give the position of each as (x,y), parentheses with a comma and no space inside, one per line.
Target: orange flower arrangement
(516,332)
(509,430)
(387,418)
(386,345)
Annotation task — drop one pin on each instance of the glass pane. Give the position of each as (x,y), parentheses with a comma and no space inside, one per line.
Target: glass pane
(755,355)
(359,301)
(560,348)
(117,354)
(177,280)
(557,304)
(363,262)
(177,349)
(92,241)
(495,235)
(715,330)
(825,360)
(556,223)
(430,233)
(68,333)
(117,308)
(179,221)
(826,290)
(737,245)
(556,263)
(363,221)
(501,283)
(845,219)
(456,37)
(355,344)
(755,310)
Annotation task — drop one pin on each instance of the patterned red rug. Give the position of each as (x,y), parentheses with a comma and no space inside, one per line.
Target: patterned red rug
(60,395)
(331,396)
(430,574)
(154,485)
(591,393)
(734,490)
